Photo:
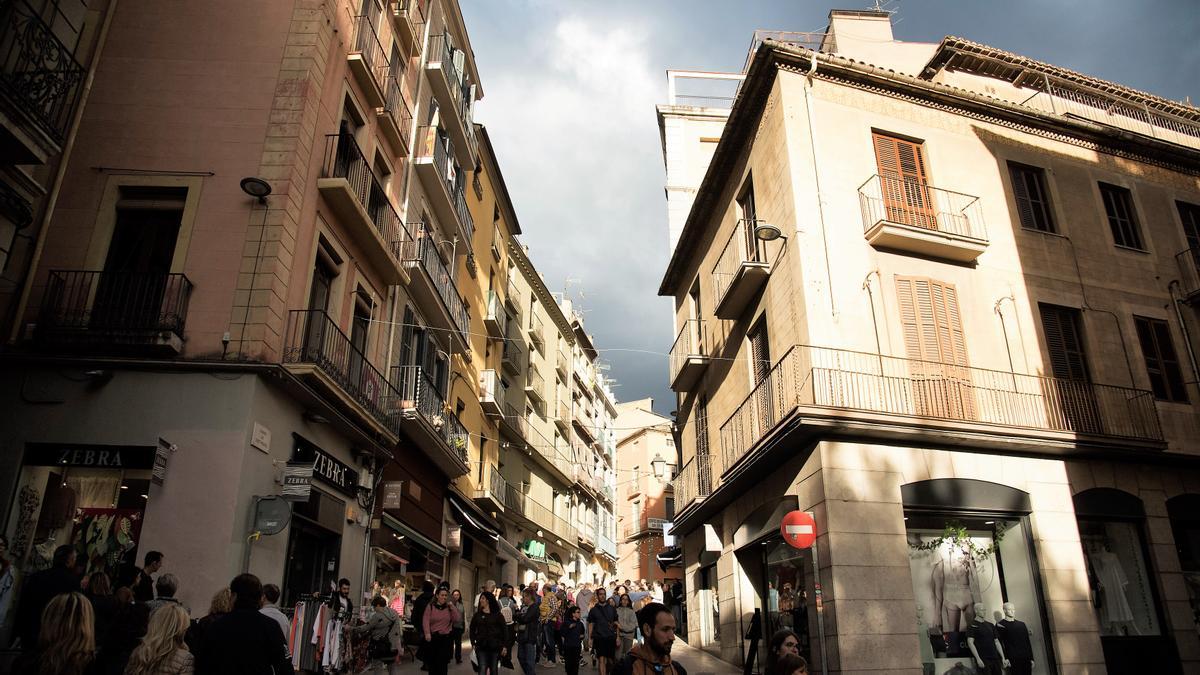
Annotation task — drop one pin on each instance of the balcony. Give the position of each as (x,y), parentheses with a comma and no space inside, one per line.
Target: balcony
(694,481)
(490,495)
(562,415)
(426,421)
(906,215)
(513,423)
(741,271)
(535,385)
(689,356)
(584,425)
(368,60)
(408,22)
(542,517)
(1189,274)
(114,311)
(586,480)
(444,181)
(932,397)
(551,456)
(455,99)
(433,288)
(395,117)
(563,364)
(316,350)
(607,494)
(361,204)
(489,385)
(607,547)
(40,83)
(537,331)
(513,300)
(512,357)
(649,526)
(495,321)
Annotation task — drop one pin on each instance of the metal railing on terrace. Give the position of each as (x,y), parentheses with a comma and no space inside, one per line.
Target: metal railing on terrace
(420,394)
(537,330)
(440,47)
(366,42)
(515,421)
(536,382)
(93,306)
(843,379)
(422,251)
(344,159)
(742,247)
(37,71)
(563,364)
(1075,99)
(396,104)
(689,342)
(513,298)
(917,204)
(312,337)
(513,355)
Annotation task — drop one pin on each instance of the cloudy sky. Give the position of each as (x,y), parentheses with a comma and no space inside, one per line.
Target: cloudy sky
(570,88)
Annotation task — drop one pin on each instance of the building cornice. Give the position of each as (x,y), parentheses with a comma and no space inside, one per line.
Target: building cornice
(773,56)
(517,252)
(499,187)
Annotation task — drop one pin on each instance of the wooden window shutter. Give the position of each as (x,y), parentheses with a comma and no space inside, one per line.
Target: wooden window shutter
(760,352)
(931,321)
(1064,342)
(898,157)
(902,179)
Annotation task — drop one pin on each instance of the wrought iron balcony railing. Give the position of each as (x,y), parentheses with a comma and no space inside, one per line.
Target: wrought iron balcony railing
(422,252)
(460,93)
(515,421)
(99,307)
(536,384)
(396,104)
(563,364)
(37,71)
(694,481)
(420,395)
(741,269)
(344,159)
(1189,272)
(928,390)
(437,146)
(368,45)
(689,355)
(512,357)
(893,199)
(314,338)
(513,299)
(537,330)
(643,526)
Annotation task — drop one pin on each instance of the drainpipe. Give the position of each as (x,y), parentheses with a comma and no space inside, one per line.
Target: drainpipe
(1187,336)
(812,146)
(1004,331)
(60,174)
(874,321)
(1088,306)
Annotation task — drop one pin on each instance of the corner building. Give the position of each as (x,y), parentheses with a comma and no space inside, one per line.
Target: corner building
(941,296)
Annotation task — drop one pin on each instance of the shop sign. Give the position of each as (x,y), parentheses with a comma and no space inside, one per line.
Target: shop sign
(534,549)
(90,456)
(393,493)
(271,515)
(454,537)
(329,469)
(799,529)
(161,453)
(297,482)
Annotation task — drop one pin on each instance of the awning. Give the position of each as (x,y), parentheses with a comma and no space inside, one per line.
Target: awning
(413,535)
(467,518)
(670,557)
(554,567)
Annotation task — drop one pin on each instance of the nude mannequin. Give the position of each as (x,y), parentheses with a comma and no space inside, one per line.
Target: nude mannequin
(954,591)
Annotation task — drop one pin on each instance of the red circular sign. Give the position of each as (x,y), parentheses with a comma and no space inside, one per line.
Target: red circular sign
(798,529)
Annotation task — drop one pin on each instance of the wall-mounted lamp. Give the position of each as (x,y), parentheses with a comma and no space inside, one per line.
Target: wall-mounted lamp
(765,231)
(315,418)
(257,188)
(659,465)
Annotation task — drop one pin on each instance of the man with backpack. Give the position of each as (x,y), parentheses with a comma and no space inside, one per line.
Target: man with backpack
(652,656)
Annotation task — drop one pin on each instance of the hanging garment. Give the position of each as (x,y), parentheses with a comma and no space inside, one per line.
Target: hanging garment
(1113,581)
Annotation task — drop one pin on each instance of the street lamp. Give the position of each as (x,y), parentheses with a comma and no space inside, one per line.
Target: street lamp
(764,231)
(660,466)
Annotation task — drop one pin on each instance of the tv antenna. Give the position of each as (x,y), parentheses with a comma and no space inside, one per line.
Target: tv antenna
(885,6)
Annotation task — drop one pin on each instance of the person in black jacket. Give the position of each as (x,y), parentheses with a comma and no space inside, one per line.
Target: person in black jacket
(418,620)
(572,633)
(244,641)
(528,634)
(40,589)
(489,634)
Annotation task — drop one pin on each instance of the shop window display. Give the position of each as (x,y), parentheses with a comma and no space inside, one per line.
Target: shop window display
(788,574)
(975,586)
(1117,577)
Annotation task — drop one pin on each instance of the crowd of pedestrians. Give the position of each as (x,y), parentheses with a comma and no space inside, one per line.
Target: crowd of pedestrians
(137,626)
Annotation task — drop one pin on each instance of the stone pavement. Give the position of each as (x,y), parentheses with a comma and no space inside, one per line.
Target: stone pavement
(696,661)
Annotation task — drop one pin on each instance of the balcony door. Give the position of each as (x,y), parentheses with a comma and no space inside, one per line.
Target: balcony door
(748,214)
(938,378)
(903,180)
(760,370)
(1070,400)
(130,293)
(1189,215)
(319,324)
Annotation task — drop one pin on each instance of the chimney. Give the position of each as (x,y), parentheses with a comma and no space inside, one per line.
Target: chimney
(851,30)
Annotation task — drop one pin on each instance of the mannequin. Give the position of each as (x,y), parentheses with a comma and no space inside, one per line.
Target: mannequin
(981,640)
(1016,638)
(955,587)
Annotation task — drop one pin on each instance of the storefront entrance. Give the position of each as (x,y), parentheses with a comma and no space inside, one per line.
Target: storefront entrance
(314,547)
(1124,596)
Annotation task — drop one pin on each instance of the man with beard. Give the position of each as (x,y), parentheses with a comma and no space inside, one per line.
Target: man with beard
(652,656)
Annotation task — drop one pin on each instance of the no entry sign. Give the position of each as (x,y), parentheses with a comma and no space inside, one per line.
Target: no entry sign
(798,529)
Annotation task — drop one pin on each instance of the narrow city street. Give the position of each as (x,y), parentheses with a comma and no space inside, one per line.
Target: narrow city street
(696,661)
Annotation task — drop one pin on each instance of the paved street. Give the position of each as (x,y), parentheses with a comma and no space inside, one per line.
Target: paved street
(697,662)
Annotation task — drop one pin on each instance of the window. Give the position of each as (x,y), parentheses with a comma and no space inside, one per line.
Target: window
(1189,215)
(748,213)
(931,321)
(1064,342)
(1032,197)
(1162,365)
(903,181)
(1118,206)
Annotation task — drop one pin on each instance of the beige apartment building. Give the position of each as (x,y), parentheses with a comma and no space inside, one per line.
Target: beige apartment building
(275,260)
(941,297)
(529,477)
(647,460)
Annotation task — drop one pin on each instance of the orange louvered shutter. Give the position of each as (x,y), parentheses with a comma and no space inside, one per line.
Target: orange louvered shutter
(903,181)
(933,334)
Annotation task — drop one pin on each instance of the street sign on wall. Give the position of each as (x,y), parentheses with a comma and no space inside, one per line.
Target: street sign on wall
(798,529)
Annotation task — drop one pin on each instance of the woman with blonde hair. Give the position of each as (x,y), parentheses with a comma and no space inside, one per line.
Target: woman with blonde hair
(162,651)
(222,604)
(66,642)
